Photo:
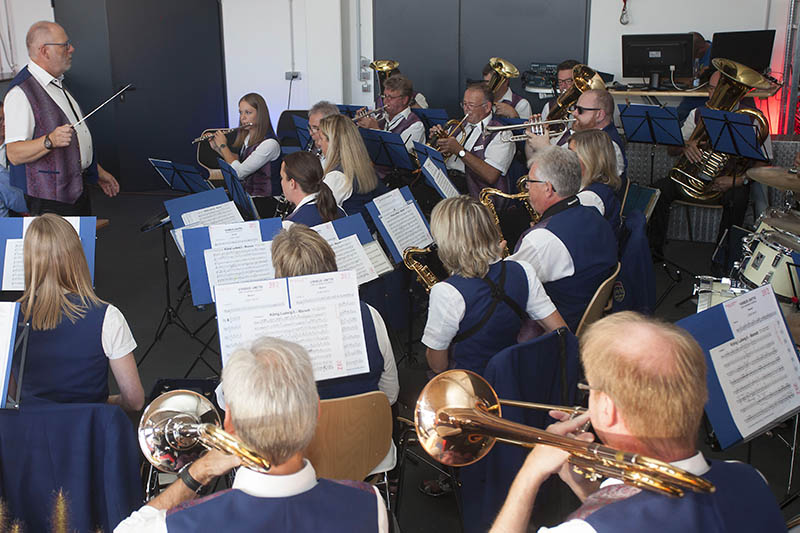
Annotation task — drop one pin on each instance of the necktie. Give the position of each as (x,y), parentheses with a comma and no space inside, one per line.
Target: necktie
(69,100)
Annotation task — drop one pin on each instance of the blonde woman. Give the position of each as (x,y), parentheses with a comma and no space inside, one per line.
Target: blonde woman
(480,308)
(600,183)
(75,336)
(348,169)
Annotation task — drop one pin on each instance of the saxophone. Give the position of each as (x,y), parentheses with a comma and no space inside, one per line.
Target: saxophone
(486,199)
(425,275)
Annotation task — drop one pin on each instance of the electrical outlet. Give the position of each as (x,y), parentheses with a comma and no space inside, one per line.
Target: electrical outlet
(364,76)
(365,63)
(366,88)
(293,75)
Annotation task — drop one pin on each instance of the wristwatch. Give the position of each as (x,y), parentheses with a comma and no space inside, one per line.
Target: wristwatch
(221,146)
(188,480)
(48,144)
(462,153)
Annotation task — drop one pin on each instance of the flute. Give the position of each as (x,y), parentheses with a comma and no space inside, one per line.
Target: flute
(209,136)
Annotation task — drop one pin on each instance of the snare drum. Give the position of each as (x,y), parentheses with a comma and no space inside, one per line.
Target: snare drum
(773,218)
(773,252)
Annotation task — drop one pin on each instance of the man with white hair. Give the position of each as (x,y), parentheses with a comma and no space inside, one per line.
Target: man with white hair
(572,248)
(50,158)
(272,407)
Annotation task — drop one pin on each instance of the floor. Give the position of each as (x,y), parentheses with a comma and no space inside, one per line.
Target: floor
(130,274)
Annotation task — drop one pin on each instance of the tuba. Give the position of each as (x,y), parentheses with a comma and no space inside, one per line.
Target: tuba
(384,69)
(736,80)
(485,198)
(501,70)
(584,79)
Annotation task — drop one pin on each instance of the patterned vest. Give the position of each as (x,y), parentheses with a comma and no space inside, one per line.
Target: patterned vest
(259,183)
(57,175)
(474,182)
(401,126)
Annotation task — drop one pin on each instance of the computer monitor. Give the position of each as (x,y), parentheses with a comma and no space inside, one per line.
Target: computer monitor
(750,48)
(651,55)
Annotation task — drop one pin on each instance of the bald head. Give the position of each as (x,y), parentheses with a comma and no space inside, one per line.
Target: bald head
(41,32)
(49,47)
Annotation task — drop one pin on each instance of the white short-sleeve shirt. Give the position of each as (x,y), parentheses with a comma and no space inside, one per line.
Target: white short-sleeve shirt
(266,151)
(116,337)
(499,153)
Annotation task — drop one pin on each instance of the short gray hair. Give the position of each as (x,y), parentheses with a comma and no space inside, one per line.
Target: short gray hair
(272,397)
(561,168)
(324,108)
(38,34)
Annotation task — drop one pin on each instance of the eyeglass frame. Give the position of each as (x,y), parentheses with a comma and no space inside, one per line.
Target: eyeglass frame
(580,109)
(65,44)
(467,105)
(565,83)
(528,180)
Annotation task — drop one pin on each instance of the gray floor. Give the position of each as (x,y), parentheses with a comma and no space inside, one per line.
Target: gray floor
(129,273)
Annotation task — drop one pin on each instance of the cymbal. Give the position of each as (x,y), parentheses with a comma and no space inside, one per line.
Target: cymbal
(777,177)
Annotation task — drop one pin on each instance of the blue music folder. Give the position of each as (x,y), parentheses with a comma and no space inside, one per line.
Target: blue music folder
(8,330)
(192,202)
(509,121)
(747,337)
(733,133)
(352,225)
(372,209)
(349,110)
(239,196)
(302,131)
(431,117)
(651,124)
(197,240)
(180,177)
(424,154)
(386,149)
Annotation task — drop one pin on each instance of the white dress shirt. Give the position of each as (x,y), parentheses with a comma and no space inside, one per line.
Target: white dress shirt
(421,101)
(267,150)
(549,256)
(592,199)
(447,309)
(498,154)
(523,107)
(689,125)
(116,336)
(151,520)
(340,186)
(19,114)
(415,132)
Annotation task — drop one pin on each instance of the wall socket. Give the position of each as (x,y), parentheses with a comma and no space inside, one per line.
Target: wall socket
(293,75)
(366,87)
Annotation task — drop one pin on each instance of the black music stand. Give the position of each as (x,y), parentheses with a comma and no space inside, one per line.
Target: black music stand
(181,177)
(243,201)
(431,117)
(303,132)
(18,356)
(349,110)
(651,124)
(386,149)
(733,133)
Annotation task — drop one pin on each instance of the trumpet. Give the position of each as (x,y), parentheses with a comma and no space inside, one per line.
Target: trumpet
(538,127)
(209,136)
(450,129)
(457,418)
(364,113)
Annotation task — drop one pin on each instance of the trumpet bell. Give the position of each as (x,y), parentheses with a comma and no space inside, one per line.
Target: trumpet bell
(439,434)
(163,445)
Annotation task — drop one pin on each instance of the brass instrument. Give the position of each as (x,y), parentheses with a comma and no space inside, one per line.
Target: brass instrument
(502,70)
(425,275)
(364,113)
(178,425)
(384,68)
(485,198)
(735,81)
(538,127)
(457,419)
(209,136)
(584,79)
(450,129)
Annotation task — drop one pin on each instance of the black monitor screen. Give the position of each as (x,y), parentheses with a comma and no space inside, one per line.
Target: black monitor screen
(644,55)
(750,48)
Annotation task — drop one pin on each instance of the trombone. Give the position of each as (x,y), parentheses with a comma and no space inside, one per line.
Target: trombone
(537,126)
(457,419)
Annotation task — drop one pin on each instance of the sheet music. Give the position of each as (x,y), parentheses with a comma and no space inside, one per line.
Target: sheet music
(390,201)
(378,258)
(326,231)
(226,235)
(225,213)
(350,255)
(402,221)
(251,262)
(14,266)
(440,178)
(8,324)
(177,236)
(320,312)
(758,369)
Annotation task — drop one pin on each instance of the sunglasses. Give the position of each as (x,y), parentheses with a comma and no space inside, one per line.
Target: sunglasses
(581,109)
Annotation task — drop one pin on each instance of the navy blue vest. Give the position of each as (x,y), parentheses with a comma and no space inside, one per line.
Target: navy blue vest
(357,203)
(308,214)
(67,364)
(259,183)
(591,244)
(474,352)
(615,138)
(611,204)
(360,383)
(742,502)
(329,506)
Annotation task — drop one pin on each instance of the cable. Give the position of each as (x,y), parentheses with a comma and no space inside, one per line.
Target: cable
(672,80)
(289,101)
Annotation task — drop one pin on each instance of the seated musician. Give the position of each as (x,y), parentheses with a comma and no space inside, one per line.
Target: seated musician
(75,336)
(272,406)
(600,181)
(398,118)
(572,248)
(418,99)
(480,308)
(507,103)
(301,181)
(564,82)
(485,156)
(647,388)
(348,169)
(256,146)
(299,251)
(734,189)
(318,111)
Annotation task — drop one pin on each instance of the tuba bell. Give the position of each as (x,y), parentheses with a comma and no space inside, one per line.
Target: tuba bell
(501,70)
(584,79)
(384,69)
(695,179)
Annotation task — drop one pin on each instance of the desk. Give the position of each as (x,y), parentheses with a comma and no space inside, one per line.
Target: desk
(759,93)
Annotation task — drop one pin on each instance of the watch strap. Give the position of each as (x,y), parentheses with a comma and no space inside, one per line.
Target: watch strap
(188,480)
(48,144)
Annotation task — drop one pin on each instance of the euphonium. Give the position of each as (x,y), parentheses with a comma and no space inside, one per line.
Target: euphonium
(424,274)
(501,70)
(584,78)
(178,425)
(735,81)
(450,129)
(485,198)
(457,419)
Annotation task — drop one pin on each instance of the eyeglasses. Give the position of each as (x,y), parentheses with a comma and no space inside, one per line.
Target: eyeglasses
(565,83)
(65,45)
(392,97)
(528,181)
(314,129)
(467,105)
(580,109)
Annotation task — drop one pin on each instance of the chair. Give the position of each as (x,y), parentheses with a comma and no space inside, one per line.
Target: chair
(88,450)
(601,302)
(706,213)
(635,287)
(353,437)
(542,370)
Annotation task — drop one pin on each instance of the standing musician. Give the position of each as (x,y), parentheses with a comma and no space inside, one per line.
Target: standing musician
(485,156)
(301,181)
(256,145)
(647,388)
(572,248)
(45,162)
(599,181)
(318,111)
(480,308)
(272,406)
(507,103)
(564,82)
(398,118)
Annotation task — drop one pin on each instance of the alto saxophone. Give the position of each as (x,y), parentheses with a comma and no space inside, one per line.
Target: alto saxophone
(485,198)
(424,274)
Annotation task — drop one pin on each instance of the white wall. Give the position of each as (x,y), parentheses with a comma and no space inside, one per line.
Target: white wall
(355,90)
(21,13)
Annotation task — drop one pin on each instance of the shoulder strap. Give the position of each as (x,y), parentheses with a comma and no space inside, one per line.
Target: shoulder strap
(498,295)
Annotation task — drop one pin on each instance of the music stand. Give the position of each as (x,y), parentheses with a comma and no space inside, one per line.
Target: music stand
(651,124)
(431,117)
(349,110)
(20,353)
(386,149)
(243,201)
(181,177)
(733,133)
(302,131)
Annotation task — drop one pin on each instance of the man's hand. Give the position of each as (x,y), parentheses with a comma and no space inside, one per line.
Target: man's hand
(212,465)
(107,182)
(505,110)
(61,136)
(692,152)
(547,460)
(448,146)
(369,123)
